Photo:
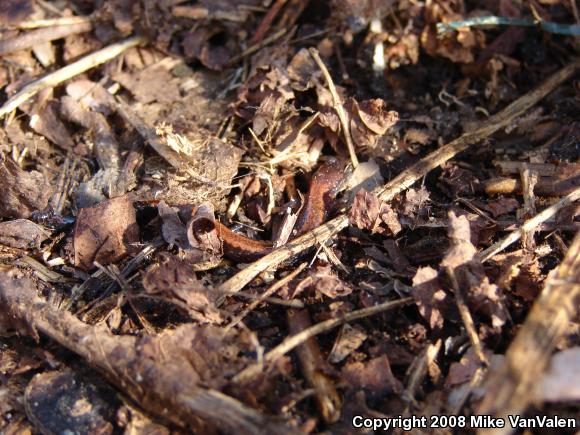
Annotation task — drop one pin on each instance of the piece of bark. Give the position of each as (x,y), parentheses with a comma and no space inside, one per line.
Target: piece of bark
(312,364)
(162,373)
(22,191)
(31,38)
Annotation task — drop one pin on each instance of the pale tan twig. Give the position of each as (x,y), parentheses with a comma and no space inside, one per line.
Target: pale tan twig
(337,106)
(39,36)
(52,22)
(57,77)
(529,225)
(295,340)
(404,180)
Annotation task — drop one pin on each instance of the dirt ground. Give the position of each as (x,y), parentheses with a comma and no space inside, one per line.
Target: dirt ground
(289,216)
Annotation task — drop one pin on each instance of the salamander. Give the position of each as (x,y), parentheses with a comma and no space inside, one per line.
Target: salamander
(322,190)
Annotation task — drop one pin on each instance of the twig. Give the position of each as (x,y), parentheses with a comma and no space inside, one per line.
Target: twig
(198,12)
(41,271)
(404,180)
(418,370)
(337,106)
(529,225)
(575,11)
(258,46)
(51,22)
(295,340)
(529,180)
(35,37)
(466,317)
(267,21)
(547,26)
(290,303)
(494,123)
(57,77)
(510,387)
(167,387)
(131,266)
(547,186)
(273,289)
(312,364)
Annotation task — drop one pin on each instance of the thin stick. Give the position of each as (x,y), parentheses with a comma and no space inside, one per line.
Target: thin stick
(337,106)
(293,341)
(258,46)
(404,180)
(51,22)
(529,225)
(312,364)
(57,77)
(418,369)
(273,289)
(267,21)
(39,36)
(466,317)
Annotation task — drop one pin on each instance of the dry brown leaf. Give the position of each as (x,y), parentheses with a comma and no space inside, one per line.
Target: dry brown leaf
(174,280)
(374,376)
(323,280)
(502,206)
(429,296)
(23,192)
(173,230)
(482,295)
(349,339)
(153,83)
(369,213)
(105,233)
(415,201)
(22,234)
(463,371)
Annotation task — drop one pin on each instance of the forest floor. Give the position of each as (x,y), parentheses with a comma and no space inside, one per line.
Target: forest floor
(289,216)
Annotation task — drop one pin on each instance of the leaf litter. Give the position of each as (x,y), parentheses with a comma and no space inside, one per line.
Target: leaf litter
(114,179)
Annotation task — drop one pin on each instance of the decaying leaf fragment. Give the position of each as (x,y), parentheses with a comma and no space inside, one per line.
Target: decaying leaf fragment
(105,233)
(324,281)
(174,280)
(176,375)
(430,297)
(22,191)
(369,213)
(22,234)
(368,120)
(482,295)
(374,376)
